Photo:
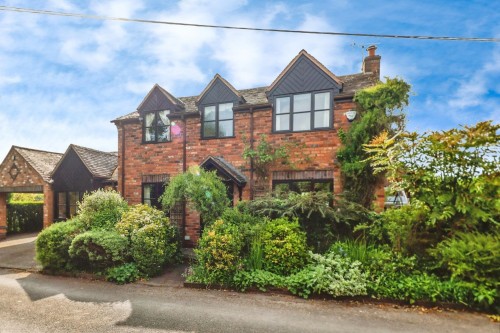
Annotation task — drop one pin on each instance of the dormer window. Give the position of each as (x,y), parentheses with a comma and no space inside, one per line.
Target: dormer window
(303,112)
(217,121)
(156,126)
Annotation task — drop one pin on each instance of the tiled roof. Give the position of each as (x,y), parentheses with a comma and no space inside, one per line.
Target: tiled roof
(99,163)
(227,167)
(355,82)
(42,161)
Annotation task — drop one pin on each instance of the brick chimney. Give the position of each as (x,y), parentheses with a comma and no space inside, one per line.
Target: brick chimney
(371,63)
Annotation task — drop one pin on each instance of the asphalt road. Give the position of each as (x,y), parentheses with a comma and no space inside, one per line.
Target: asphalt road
(30,302)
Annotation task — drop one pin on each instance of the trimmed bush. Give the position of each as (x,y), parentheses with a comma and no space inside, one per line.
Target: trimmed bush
(98,249)
(101,209)
(218,254)
(53,243)
(154,240)
(24,217)
(285,247)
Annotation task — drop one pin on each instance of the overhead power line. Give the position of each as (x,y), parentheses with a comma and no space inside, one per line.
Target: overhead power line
(122,19)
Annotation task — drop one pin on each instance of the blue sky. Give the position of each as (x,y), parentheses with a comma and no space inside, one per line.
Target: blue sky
(63,79)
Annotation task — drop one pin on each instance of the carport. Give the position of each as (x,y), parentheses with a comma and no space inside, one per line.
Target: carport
(26,170)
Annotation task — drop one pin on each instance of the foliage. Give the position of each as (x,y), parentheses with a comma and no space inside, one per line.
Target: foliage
(153,239)
(24,217)
(323,217)
(265,155)
(455,173)
(285,248)
(218,254)
(257,278)
(403,229)
(25,197)
(380,109)
(98,249)
(203,191)
(101,209)
(53,243)
(473,257)
(331,274)
(122,274)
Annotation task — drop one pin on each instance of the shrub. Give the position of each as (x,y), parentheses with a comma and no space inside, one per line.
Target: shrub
(285,249)
(154,240)
(473,257)
(258,278)
(332,274)
(98,249)
(24,217)
(122,274)
(53,243)
(101,209)
(218,254)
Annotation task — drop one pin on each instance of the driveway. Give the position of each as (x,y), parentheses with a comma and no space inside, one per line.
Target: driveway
(18,252)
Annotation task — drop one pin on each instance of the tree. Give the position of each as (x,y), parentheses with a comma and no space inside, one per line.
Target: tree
(455,173)
(380,109)
(201,189)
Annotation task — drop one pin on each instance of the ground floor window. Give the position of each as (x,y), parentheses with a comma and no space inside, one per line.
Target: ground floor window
(151,193)
(67,204)
(301,186)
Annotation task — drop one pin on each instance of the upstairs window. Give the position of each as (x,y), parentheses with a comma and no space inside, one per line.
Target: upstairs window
(157,126)
(218,121)
(303,112)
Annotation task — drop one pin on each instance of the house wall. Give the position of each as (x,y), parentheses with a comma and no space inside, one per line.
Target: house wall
(136,159)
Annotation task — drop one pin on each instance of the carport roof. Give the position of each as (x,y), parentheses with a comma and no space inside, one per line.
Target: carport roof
(42,161)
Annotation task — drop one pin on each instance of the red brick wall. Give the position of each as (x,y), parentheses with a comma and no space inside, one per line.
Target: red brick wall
(48,205)
(139,159)
(3,215)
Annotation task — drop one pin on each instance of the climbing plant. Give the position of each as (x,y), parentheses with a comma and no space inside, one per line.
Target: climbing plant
(201,189)
(265,155)
(380,108)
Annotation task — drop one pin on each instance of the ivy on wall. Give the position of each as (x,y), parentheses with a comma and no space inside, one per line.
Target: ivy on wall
(380,108)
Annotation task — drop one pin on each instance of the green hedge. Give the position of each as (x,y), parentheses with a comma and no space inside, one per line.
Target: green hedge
(24,217)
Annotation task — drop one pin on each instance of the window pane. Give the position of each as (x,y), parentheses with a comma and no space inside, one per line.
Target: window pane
(162,118)
(283,105)
(282,187)
(321,119)
(148,119)
(302,121)
(147,192)
(302,102)
(163,133)
(322,101)
(322,187)
(225,128)
(209,113)
(282,122)
(149,134)
(209,129)
(61,207)
(225,111)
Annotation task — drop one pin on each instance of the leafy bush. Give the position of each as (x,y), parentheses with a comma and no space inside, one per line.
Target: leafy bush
(331,274)
(473,257)
(24,217)
(122,274)
(218,254)
(101,209)
(99,249)
(53,243)
(153,238)
(202,190)
(260,279)
(285,248)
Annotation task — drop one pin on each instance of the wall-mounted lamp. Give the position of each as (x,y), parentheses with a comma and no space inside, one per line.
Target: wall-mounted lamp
(351,115)
(140,118)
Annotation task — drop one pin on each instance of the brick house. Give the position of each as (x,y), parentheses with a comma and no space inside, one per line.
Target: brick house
(306,104)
